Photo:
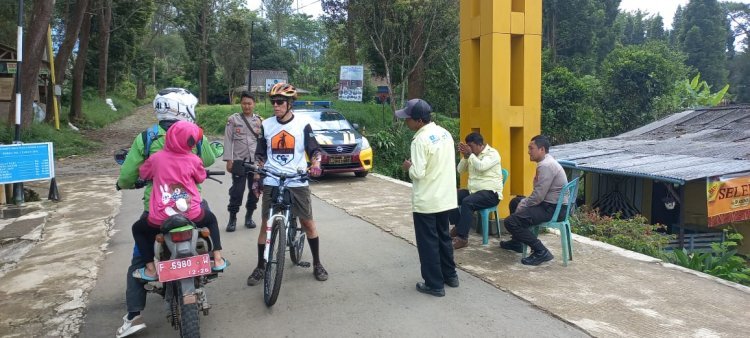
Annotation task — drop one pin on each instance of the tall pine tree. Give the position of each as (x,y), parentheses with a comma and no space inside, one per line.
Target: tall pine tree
(703,38)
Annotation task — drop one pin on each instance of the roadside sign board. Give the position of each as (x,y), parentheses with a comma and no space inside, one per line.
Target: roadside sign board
(351,83)
(271,82)
(728,198)
(26,162)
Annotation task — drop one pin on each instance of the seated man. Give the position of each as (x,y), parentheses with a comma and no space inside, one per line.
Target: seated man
(485,187)
(538,208)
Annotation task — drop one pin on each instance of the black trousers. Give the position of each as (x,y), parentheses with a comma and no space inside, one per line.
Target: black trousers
(144,234)
(520,222)
(467,204)
(237,190)
(435,247)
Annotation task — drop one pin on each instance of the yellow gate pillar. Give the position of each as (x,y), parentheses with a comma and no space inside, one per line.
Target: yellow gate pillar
(501,79)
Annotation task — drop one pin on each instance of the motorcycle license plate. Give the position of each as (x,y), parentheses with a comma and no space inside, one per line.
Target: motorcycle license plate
(184,268)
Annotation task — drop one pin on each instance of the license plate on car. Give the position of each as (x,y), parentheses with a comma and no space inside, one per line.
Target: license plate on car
(182,268)
(339,159)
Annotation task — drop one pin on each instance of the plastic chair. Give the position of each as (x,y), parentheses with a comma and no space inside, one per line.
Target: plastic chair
(484,217)
(566,238)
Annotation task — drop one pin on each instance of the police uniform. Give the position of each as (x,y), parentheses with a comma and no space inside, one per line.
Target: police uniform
(239,144)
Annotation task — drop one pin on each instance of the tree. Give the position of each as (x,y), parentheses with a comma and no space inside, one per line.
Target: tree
(34,47)
(105,21)
(655,29)
(278,12)
(197,21)
(570,106)
(634,79)
(340,20)
(76,114)
(72,28)
(234,35)
(400,34)
(703,39)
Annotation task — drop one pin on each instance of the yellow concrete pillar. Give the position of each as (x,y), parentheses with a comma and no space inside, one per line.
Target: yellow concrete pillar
(501,80)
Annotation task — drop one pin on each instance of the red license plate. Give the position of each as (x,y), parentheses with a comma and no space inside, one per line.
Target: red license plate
(184,268)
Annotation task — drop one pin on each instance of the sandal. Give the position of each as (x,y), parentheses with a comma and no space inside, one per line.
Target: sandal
(220,268)
(141,274)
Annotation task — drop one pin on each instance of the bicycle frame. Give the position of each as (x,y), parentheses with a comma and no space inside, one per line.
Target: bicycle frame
(279,208)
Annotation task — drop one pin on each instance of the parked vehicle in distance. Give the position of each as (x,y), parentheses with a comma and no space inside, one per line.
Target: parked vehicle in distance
(344,148)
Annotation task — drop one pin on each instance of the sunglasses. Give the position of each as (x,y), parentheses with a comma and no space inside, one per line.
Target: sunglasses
(278,102)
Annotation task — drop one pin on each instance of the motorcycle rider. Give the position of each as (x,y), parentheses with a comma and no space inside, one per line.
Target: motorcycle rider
(170,105)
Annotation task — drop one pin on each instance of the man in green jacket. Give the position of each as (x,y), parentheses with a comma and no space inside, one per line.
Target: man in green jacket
(170,105)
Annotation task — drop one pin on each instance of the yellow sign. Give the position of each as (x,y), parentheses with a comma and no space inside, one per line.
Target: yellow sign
(728,199)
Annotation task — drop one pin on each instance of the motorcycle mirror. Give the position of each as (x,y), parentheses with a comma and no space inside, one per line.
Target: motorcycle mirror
(120,156)
(218,148)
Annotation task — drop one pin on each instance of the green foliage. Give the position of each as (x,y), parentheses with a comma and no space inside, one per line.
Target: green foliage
(66,142)
(96,112)
(722,261)
(635,234)
(634,78)
(703,38)
(570,106)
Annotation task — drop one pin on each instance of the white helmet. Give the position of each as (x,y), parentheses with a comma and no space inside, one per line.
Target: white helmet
(175,104)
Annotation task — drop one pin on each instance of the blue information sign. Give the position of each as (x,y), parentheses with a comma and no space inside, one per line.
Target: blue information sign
(26,162)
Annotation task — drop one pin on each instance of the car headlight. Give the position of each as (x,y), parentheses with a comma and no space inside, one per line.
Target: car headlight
(365,143)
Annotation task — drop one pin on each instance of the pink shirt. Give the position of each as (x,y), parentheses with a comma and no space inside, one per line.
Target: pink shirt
(176,173)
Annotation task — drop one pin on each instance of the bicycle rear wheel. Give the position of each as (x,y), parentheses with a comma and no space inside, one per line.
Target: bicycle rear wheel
(275,265)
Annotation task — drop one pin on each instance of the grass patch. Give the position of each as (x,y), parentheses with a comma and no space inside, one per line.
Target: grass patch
(66,141)
(97,113)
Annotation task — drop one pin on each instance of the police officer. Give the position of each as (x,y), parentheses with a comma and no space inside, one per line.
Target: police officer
(240,140)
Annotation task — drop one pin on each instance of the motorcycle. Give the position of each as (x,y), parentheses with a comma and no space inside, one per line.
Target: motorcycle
(183,264)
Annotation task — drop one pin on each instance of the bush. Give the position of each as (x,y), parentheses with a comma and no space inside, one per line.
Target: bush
(635,234)
(722,261)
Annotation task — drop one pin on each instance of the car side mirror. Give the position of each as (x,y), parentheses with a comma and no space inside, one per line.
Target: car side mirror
(218,148)
(356,126)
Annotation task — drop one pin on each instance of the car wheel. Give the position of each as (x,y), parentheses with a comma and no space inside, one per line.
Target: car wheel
(361,173)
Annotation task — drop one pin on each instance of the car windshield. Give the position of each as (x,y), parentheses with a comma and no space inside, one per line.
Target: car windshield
(328,120)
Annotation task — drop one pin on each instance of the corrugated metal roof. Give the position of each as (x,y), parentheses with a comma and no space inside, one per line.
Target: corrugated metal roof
(685,146)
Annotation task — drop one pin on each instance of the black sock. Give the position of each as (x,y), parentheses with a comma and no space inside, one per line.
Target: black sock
(132,315)
(314,249)
(261,261)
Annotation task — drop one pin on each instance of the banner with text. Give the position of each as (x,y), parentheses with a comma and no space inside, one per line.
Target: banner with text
(728,199)
(351,82)
(26,162)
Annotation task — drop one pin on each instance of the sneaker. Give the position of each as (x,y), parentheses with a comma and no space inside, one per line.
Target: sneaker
(459,243)
(320,272)
(452,281)
(130,326)
(512,245)
(538,257)
(256,277)
(421,287)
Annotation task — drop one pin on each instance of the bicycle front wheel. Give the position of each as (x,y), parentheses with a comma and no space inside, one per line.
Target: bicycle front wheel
(275,265)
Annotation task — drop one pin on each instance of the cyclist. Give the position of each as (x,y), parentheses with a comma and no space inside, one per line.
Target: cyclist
(170,105)
(285,141)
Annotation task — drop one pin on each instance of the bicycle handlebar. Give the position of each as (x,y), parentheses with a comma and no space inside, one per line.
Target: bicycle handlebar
(301,175)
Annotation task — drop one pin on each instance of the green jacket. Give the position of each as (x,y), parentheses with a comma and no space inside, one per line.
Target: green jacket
(136,156)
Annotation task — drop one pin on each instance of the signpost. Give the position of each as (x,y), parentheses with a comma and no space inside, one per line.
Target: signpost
(28,162)
(351,82)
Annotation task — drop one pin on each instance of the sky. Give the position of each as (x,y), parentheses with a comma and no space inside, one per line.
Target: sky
(665,8)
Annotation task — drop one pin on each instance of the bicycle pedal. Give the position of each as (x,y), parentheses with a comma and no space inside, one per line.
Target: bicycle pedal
(304,264)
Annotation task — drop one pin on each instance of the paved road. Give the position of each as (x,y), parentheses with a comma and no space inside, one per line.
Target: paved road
(370,291)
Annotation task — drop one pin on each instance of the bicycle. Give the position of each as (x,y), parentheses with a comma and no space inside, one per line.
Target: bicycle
(282,231)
